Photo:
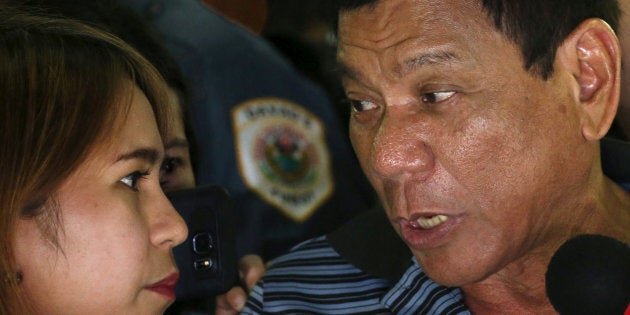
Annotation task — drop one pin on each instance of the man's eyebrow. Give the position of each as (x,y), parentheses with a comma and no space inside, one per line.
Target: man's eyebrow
(147,154)
(345,71)
(177,143)
(431,58)
(408,65)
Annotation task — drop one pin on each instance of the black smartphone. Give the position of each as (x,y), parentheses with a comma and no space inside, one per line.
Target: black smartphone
(207,259)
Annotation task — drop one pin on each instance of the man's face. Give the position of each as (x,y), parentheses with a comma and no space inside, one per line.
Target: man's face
(471,155)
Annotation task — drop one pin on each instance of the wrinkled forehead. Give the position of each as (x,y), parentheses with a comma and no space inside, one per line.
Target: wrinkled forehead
(379,19)
(393,31)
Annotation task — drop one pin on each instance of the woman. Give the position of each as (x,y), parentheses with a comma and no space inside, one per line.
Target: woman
(85,225)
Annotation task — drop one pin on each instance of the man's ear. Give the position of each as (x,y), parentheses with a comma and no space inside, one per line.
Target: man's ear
(593,55)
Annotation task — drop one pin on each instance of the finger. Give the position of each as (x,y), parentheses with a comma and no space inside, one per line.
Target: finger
(231,302)
(252,269)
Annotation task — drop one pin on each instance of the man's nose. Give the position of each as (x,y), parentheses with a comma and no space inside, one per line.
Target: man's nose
(400,146)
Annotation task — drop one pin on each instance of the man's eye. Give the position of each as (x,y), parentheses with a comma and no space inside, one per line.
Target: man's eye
(437,97)
(360,106)
(131,180)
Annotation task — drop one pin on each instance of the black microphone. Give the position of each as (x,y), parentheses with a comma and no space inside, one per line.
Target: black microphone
(590,274)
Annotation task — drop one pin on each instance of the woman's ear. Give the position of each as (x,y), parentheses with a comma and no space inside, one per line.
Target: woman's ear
(593,55)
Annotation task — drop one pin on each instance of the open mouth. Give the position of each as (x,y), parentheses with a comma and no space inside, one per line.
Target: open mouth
(429,222)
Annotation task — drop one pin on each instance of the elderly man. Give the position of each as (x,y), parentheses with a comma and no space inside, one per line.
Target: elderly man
(479,125)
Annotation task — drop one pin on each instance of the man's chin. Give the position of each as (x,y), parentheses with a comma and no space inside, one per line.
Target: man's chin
(446,273)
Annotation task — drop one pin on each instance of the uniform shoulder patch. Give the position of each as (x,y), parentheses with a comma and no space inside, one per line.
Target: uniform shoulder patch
(282,155)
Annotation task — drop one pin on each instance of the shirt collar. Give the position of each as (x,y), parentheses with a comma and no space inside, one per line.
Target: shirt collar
(415,293)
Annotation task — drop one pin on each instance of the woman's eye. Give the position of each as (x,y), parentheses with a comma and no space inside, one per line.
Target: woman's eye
(360,105)
(169,169)
(131,180)
(170,164)
(437,97)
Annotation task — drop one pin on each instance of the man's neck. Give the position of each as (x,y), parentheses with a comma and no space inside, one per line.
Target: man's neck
(510,294)
(520,287)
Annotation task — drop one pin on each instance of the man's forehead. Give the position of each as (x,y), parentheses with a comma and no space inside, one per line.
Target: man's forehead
(384,8)
(390,22)
(430,14)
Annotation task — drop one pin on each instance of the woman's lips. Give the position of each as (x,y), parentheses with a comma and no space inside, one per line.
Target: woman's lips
(423,232)
(166,286)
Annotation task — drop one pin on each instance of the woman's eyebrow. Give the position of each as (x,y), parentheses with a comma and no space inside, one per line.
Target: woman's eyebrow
(150,155)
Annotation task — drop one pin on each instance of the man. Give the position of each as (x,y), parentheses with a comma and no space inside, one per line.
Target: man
(479,126)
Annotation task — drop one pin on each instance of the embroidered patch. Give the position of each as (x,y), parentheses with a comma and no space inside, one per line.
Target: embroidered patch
(282,155)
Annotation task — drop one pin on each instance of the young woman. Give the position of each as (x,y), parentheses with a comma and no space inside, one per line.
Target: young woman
(84,224)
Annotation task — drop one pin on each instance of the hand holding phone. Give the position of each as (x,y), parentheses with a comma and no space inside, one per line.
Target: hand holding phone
(207,259)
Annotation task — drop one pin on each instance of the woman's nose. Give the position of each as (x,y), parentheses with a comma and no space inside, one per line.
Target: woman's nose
(167,226)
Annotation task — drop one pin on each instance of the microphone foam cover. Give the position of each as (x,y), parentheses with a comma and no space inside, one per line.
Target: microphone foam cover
(590,274)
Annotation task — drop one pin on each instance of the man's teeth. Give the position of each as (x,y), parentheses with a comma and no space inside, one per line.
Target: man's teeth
(429,223)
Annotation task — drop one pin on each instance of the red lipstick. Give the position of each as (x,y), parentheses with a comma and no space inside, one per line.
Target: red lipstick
(166,286)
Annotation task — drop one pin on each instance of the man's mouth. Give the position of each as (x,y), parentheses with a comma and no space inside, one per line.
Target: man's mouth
(428,231)
(429,222)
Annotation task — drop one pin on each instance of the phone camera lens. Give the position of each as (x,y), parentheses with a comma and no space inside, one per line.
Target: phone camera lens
(203,243)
